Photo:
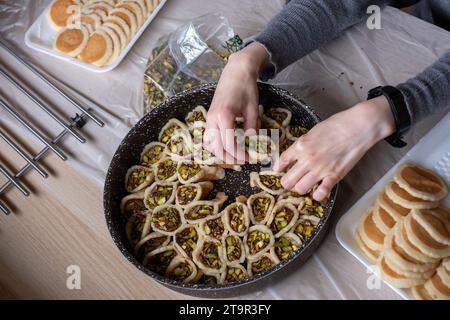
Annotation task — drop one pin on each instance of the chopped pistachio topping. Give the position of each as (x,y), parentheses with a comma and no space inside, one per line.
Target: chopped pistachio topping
(262,264)
(133,206)
(149,246)
(257,241)
(159,262)
(270,181)
(304,229)
(312,207)
(137,227)
(188,170)
(277,115)
(169,133)
(234,274)
(209,255)
(282,218)
(159,196)
(187,240)
(284,247)
(136,178)
(166,169)
(152,155)
(205,279)
(186,194)
(214,228)
(236,216)
(199,212)
(178,146)
(167,219)
(297,131)
(233,248)
(181,271)
(260,208)
(196,116)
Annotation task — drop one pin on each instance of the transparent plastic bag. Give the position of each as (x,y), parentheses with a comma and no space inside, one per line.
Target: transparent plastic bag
(193,54)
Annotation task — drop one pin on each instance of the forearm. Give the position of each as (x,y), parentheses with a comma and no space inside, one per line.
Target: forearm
(305,25)
(428,92)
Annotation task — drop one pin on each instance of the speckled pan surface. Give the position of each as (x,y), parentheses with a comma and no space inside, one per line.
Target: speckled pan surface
(234,184)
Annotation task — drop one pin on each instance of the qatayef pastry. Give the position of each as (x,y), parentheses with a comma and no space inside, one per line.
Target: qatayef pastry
(311,207)
(236,218)
(199,211)
(268,181)
(92,21)
(404,199)
(127,16)
(166,170)
(115,41)
(213,227)
(233,250)
(283,217)
(179,146)
(258,241)
(369,233)
(196,115)
(281,116)
(419,293)
(159,193)
(295,131)
(135,9)
(122,24)
(382,219)
(132,203)
(167,219)
(260,206)
(233,274)
(188,193)
(190,172)
(98,50)
(137,227)
(138,178)
(152,153)
(436,287)
(181,269)
(260,148)
(101,8)
(397,280)
(305,226)
(149,243)
(71,41)
(59,12)
(185,240)
(295,198)
(286,245)
(171,128)
(119,31)
(208,256)
(420,182)
(435,223)
(371,254)
(158,260)
(262,264)
(395,210)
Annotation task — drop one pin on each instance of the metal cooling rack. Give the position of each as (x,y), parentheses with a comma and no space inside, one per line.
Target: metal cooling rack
(71,127)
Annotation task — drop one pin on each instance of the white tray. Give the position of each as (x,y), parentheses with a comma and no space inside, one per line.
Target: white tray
(41,34)
(433,152)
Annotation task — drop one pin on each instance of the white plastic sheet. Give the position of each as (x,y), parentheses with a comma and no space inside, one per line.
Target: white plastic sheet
(331,79)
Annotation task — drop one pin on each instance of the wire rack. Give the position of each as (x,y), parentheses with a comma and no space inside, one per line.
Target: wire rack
(69,127)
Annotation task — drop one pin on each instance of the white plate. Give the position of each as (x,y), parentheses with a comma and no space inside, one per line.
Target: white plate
(41,34)
(433,152)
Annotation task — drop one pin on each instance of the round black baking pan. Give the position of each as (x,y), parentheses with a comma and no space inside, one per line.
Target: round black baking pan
(234,184)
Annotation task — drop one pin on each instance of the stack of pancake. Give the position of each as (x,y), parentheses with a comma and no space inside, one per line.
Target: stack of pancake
(407,233)
(96,31)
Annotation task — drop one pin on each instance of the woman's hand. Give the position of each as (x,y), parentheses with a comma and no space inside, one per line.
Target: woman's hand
(332,148)
(236,96)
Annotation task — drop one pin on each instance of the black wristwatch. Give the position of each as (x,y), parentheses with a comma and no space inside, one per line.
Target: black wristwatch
(399,110)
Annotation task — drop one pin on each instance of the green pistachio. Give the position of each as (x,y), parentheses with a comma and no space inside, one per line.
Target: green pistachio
(257,241)
(270,181)
(188,170)
(166,169)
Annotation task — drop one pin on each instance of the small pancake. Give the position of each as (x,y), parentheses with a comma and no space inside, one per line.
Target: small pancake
(420,182)
(382,219)
(116,43)
(59,12)
(444,275)
(423,240)
(135,9)
(151,5)
(403,198)
(93,21)
(441,213)
(119,32)
(370,234)
(142,5)
(128,17)
(420,293)
(437,289)
(425,275)
(397,280)
(371,254)
(71,41)
(394,209)
(434,226)
(122,24)
(98,50)
(101,6)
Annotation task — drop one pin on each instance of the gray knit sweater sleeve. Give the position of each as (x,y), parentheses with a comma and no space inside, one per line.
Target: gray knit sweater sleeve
(305,25)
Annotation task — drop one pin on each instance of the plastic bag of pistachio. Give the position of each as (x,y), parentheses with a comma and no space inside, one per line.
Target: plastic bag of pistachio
(193,54)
